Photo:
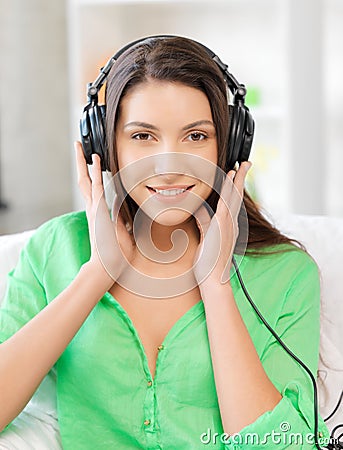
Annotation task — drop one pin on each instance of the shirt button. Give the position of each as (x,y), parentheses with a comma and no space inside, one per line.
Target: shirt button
(160,347)
(320,434)
(149,383)
(147,422)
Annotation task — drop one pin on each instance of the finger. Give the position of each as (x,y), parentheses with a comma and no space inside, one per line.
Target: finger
(241,174)
(97,184)
(203,220)
(83,178)
(238,186)
(224,202)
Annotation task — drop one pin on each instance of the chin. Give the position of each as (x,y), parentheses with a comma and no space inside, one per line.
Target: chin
(172,218)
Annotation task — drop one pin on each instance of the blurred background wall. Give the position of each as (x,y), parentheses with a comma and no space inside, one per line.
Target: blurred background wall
(287,52)
(35,169)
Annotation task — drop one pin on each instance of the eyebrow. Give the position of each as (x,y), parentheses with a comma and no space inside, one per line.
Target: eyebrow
(140,124)
(153,127)
(198,123)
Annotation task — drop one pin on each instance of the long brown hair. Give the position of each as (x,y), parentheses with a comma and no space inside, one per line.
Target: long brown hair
(178,59)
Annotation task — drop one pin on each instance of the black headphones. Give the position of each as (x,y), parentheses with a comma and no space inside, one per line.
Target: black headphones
(241,124)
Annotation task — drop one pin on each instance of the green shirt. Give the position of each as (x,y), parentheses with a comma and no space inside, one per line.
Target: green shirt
(106,397)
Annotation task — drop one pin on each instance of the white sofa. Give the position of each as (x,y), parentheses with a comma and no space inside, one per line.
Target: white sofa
(37,427)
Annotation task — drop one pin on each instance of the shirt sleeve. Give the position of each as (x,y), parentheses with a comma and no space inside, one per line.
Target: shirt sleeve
(290,424)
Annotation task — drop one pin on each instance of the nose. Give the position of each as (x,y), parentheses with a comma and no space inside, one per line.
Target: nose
(167,165)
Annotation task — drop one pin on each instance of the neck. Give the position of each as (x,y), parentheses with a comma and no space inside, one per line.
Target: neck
(163,243)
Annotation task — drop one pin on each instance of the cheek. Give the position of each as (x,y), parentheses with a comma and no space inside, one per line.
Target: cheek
(211,155)
(214,154)
(125,153)
(205,191)
(123,159)
(138,193)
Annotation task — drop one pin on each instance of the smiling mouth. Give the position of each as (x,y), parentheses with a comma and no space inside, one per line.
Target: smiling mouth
(170,191)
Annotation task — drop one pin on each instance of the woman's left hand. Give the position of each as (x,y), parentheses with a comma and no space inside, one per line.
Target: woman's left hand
(218,235)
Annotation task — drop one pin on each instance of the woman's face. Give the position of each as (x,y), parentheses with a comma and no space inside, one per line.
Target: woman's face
(171,123)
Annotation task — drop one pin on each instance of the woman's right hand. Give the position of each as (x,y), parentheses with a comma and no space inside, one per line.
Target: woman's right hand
(112,247)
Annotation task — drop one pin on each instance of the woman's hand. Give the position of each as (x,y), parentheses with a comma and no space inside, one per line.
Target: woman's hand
(112,247)
(218,235)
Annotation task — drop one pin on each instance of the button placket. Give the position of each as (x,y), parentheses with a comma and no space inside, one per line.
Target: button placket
(150,403)
(149,409)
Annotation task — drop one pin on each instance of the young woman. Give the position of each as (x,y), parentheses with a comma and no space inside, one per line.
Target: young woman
(154,341)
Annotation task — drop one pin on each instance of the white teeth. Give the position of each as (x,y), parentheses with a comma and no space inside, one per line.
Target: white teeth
(170,191)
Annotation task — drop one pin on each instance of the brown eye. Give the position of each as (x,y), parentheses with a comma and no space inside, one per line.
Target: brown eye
(142,136)
(197,136)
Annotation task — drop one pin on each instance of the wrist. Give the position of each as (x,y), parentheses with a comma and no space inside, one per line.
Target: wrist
(212,289)
(98,273)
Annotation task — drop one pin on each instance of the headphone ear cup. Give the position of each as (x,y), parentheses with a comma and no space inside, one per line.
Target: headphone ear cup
(86,136)
(249,129)
(98,135)
(93,134)
(241,134)
(232,154)
(101,118)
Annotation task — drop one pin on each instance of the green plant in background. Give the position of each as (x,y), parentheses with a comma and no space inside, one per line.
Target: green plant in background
(261,159)
(252,99)
(250,185)
(253,96)
(262,155)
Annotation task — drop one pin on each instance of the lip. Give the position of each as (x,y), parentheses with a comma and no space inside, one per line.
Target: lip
(175,186)
(170,198)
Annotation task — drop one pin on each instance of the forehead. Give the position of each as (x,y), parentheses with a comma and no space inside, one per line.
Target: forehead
(159,99)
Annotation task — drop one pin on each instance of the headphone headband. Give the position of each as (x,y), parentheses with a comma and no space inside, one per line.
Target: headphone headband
(238,90)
